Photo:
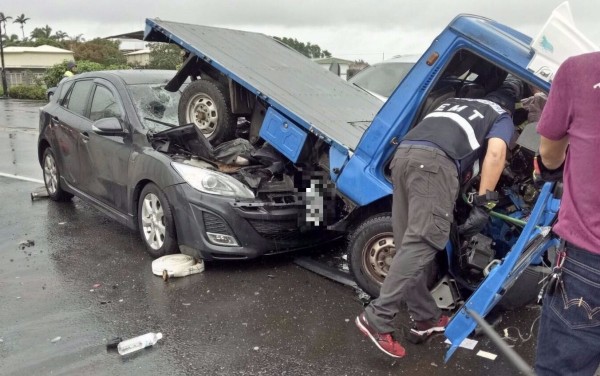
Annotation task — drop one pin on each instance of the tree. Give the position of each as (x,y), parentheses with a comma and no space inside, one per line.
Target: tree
(22,20)
(3,20)
(307,49)
(42,33)
(164,56)
(13,40)
(101,51)
(60,35)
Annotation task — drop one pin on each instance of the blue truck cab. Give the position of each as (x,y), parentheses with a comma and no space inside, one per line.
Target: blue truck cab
(341,140)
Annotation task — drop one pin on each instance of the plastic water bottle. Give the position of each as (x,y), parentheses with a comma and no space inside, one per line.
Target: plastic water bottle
(138,343)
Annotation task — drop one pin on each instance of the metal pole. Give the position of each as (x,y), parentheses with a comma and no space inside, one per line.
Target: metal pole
(4,84)
(511,354)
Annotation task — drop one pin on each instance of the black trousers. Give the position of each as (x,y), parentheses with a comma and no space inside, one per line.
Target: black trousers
(425,189)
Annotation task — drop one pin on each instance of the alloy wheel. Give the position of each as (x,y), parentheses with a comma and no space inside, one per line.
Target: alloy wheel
(50,174)
(153,221)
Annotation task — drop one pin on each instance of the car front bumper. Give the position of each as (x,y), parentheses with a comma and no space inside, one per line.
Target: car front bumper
(257,227)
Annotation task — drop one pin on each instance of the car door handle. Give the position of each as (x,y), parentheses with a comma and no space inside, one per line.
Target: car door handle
(85,136)
(54,120)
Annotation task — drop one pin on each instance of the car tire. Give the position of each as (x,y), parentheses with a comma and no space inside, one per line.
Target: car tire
(371,248)
(156,223)
(205,103)
(52,177)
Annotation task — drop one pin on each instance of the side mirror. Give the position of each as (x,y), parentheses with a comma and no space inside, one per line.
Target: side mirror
(108,127)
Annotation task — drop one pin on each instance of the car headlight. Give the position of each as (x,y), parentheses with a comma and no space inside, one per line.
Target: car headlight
(212,182)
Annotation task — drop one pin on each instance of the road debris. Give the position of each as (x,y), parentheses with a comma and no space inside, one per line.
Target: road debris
(256,348)
(26,244)
(39,193)
(55,339)
(487,355)
(96,285)
(112,344)
(467,343)
(178,265)
(138,343)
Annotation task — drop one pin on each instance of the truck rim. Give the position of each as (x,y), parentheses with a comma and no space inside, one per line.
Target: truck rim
(202,111)
(153,221)
(378,254)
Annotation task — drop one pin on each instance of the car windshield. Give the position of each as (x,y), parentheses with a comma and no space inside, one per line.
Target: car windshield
(382,79)
(155,107)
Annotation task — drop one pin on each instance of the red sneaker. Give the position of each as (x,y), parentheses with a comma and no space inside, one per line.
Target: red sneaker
(384,341)
(423,329)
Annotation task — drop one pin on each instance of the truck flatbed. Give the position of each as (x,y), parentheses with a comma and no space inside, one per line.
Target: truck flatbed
(291,83)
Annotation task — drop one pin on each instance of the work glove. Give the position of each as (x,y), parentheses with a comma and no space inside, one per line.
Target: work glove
(479,215)
(543,174)
(478,218)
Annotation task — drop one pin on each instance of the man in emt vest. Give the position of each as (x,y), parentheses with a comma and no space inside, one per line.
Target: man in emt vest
(425,173)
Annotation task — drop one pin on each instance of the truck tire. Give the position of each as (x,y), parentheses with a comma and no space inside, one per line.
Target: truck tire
(206,104)
(371,249)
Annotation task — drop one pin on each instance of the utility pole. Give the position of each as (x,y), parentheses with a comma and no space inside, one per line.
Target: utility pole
(4,84)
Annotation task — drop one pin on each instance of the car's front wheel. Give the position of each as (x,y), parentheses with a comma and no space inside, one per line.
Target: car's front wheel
(52,177)
(155,222)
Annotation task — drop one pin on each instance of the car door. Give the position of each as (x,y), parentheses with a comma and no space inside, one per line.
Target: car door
(105,157)
(69,124)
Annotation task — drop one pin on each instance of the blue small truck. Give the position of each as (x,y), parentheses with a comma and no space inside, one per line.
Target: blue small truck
(338,140)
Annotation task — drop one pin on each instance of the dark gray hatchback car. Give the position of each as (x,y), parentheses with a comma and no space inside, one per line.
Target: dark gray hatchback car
(111,138)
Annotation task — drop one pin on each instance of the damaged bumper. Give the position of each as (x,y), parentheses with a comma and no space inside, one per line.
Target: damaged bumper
(215,227)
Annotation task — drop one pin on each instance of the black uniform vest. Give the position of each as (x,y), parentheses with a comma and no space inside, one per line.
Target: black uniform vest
(459,126)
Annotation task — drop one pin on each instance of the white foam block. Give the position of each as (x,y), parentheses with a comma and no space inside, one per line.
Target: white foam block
(485,354)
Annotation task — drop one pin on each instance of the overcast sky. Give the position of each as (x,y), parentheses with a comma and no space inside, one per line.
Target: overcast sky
(349,29)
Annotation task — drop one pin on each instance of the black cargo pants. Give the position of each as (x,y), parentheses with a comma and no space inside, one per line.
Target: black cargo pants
(425,190)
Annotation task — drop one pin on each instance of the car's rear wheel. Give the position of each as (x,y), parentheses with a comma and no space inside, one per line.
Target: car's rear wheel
(205,103)
(52,177)
(155,222)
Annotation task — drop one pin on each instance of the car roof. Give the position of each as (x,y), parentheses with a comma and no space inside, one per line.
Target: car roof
(133,76)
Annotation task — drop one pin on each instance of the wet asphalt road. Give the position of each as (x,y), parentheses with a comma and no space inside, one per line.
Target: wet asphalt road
(262,317)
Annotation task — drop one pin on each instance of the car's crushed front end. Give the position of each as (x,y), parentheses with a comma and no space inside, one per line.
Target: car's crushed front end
(240,201)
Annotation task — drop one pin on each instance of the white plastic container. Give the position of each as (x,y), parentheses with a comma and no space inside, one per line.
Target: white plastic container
(134,344)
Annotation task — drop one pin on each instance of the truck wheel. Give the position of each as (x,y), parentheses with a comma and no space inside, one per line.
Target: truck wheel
(155,222)
(371,250)
(206,104)
(52,178)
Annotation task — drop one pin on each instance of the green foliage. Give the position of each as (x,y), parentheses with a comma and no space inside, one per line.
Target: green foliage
(55,73)
(42,33)
(27,92)
(101,51)
(306,49)
(164,56)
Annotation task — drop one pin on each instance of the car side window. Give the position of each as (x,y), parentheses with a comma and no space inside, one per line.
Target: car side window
(63,91)
(78,97)
(104,104)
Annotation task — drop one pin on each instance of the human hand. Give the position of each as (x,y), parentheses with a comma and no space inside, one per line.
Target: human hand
(543,174)
(478,218)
